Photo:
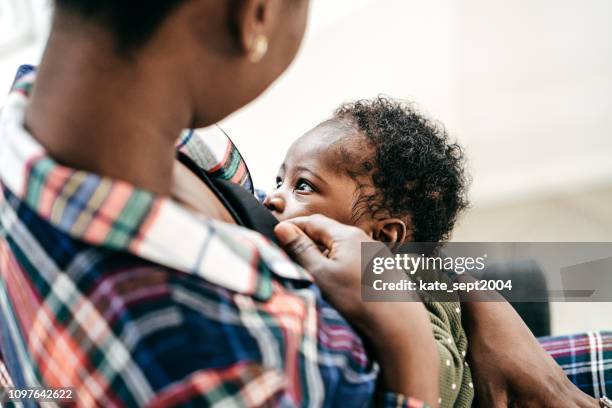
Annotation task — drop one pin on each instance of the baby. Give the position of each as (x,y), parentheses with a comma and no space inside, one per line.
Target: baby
(381,166)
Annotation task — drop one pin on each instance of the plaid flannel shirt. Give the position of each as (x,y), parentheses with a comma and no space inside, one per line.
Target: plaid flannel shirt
(586,358)
(134,300)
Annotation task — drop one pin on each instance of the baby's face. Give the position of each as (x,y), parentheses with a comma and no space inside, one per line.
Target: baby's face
(311,179)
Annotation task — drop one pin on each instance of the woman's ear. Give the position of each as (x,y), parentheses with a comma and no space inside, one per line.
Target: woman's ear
(391,230)
(255,25)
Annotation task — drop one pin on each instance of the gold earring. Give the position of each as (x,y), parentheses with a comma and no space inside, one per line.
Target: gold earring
(259,48)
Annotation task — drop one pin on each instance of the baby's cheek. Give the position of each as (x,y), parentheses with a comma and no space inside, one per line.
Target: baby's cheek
(294,209)
(316,204)
(335,212)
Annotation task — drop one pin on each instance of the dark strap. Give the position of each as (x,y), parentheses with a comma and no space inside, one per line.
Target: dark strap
(246,210)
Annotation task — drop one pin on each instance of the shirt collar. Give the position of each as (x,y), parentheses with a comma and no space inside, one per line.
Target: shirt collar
(114,214)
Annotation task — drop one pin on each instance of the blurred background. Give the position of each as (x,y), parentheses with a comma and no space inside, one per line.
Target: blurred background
(525,86)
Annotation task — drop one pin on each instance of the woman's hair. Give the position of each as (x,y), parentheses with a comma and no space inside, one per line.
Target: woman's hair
(418,173)
(132,22)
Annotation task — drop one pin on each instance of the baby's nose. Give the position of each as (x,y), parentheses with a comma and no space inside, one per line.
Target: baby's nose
(275,202)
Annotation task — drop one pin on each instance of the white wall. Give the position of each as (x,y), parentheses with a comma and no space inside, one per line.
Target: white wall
(532,94)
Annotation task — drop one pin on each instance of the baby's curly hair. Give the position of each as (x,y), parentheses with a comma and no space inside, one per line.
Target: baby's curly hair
(418,174)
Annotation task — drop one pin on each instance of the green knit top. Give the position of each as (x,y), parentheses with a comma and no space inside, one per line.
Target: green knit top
(456,387)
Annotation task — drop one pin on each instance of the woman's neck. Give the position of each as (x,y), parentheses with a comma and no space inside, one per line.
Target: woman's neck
(95,111)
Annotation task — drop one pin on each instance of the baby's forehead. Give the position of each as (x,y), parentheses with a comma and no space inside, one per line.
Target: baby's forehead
(327,133)
(332,143)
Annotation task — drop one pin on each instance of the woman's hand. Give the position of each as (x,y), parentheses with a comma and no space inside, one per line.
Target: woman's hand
(509,367)
(399,332)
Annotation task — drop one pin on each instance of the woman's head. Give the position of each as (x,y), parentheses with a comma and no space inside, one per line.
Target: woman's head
(224,52)
(380,165)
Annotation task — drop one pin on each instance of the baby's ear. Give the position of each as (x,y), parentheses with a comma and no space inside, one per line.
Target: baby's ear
(392,230)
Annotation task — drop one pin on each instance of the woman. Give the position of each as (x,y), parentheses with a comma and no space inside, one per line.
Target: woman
(120,284)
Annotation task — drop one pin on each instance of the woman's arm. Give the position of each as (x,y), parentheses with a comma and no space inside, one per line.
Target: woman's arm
(509,367)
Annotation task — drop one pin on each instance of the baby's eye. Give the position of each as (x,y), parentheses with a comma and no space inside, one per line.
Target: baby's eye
(278,182)
(304,186)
